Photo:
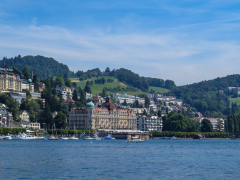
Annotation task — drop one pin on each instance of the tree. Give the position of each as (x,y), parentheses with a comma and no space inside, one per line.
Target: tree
(60,120)
(35,78)
(107,70)
(59,81)
(46,116)
(68,83)
(179,123)
(206,126)
(65,76)
(87,89)
(25,72)
(12,105)
(75,95)
(103,94)
(125,102)
(74,84)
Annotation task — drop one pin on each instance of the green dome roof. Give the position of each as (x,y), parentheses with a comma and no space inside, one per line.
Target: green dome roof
(90,104)
(29,80)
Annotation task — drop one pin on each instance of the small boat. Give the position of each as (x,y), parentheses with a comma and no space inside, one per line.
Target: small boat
(88,138)
(52,138)
(109,137)
(73,138)
(135,139)
(64,138)
(96,137)
(8,137)
(40,138)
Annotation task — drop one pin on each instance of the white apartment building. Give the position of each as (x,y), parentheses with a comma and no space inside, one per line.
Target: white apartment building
(65,91)
(130,99)
(149,123)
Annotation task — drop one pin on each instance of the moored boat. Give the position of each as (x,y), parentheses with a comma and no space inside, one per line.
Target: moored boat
(88,138)
(23,136)
(8,137)
(73,138)
(135,139)
(52,138)
(109,137)
(64,138)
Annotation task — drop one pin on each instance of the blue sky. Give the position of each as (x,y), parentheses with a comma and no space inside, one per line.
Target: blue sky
(186,41)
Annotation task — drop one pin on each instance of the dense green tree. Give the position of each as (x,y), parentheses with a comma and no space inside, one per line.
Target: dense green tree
(46,116)
(87,89)
(35,78)
(74,84)
(107,70)
(104,92)
(206,126)
(65,76)
(25,72)
(12,105)
(59,81)
(179,123)
(60,120)
(68,83)
(75,95)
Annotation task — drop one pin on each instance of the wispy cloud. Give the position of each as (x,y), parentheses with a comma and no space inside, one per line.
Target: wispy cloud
(163,56)
(186,41)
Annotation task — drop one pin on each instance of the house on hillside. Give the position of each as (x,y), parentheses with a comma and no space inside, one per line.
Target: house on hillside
(41,86)
(23,116)
(234,89)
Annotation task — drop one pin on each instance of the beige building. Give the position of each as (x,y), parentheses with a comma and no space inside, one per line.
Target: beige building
(9,81)
(23,116)
(104,116)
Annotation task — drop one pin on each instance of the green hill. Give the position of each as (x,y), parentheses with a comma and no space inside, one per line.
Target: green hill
(114,87)
(207,98)
(40,65)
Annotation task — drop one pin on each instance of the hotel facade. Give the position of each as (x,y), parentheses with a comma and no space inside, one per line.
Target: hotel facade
(9,81)
(106,116)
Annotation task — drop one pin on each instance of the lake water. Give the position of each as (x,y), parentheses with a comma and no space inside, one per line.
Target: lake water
(116,159)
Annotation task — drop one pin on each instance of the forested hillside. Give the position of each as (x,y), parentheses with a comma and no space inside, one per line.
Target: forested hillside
(207,98)
(39,65)
(157,82)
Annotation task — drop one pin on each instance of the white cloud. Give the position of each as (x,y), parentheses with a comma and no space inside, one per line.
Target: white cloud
(184,59)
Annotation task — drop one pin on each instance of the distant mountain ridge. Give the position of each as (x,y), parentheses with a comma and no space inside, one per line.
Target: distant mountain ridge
(39,65)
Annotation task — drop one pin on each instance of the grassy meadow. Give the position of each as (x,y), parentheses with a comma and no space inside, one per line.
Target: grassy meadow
(97,88)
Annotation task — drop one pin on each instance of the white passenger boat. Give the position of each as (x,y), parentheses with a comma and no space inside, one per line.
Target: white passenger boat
(23,136)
